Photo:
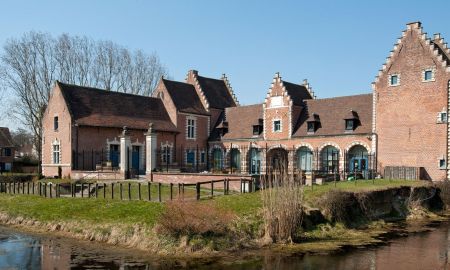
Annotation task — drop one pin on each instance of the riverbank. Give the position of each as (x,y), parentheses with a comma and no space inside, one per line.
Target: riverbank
(134,224)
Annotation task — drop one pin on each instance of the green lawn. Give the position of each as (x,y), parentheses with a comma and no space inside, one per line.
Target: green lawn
(107,211)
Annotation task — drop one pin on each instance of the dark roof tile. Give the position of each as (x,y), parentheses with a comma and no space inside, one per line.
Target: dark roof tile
(96,107)
(216,93)
(185,97)
(5,138)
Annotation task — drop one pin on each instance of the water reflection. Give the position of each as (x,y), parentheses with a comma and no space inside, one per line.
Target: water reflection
(22,251)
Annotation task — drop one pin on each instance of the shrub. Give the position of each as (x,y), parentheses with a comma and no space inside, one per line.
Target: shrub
(444,192)
(193,218)
(16,178)
(337,205)
(282,208)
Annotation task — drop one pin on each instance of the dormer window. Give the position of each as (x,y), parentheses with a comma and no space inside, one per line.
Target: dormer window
(313,123)
(258,127)
(351,121)
(349,124)
(394,79)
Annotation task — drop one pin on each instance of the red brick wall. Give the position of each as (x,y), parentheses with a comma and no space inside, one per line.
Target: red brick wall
(163,94)
(406,115)
(64,135)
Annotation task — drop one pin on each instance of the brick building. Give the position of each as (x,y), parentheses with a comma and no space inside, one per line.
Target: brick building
(7,150)
(198,125)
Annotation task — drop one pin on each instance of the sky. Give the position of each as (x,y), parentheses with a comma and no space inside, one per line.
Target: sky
(337,45)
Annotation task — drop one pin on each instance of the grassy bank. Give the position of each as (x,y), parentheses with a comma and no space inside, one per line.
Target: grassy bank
(135,223)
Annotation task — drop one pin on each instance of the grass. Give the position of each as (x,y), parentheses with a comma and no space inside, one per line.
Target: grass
(89,210)
(247,204)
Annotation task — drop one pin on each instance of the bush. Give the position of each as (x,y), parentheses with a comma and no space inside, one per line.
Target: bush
(193,218)
(337,205)
(282,208)
(16,178)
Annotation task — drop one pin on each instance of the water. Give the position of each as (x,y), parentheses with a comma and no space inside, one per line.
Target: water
(427,250)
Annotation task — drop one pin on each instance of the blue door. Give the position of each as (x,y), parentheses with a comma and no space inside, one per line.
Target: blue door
(255,161)
(114,155)
(135,159)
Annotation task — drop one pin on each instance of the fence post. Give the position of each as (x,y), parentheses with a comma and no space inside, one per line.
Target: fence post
(212,189)
(96,190)
(159,192)
(89,190)
(112,191)
(197,190)
(28,187)
(139,191)
(45,189)
(57,191)
(82,190)
(182,191)
(50,189)
(14,187)
(224,186)
(104,190)
(149,191)
(171,191)
(23,187)
(240,188)
(179,190)
(121,194)
(129,191)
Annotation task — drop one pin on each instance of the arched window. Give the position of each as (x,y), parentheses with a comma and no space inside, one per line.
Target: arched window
(329,157)
(235,157)
(358,159)
(255,161)
(304,159)
(217,159)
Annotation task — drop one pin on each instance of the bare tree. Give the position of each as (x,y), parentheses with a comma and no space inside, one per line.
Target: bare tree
(30,65)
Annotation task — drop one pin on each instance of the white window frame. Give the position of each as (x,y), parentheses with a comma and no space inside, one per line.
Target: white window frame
(440,116)
(445,163)
(390,79)
(433,74)
(191,128)
(53,151)
(273,125)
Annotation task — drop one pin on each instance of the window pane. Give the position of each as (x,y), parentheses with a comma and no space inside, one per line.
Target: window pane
(394,79)
(428,75)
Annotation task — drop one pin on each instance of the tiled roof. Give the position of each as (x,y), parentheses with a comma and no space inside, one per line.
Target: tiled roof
(241,120)
(333,111)
(216,93)
(185,97)
(5,138)
(97,107)
(298,93)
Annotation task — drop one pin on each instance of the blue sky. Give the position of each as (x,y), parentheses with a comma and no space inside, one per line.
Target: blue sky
(337,45)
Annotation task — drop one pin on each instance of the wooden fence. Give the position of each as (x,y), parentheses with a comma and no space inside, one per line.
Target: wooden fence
(404,173)
(127,190)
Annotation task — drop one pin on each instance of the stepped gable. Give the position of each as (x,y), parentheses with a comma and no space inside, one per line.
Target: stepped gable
(184,97)
(437,47)
(97,107)
(332,112)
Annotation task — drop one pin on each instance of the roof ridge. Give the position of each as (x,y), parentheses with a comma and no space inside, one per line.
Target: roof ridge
(339,97)
(414,26)
(90,88)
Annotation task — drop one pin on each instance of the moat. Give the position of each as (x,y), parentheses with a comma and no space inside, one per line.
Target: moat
(424,250)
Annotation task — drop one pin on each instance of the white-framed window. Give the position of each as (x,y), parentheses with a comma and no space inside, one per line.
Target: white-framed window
(428,75)
(56,152)
(394,79)
(190,128)
(442,164)
(277,125)
(442,117)
(55,123)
